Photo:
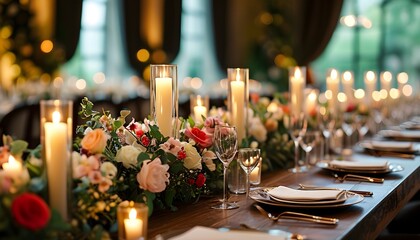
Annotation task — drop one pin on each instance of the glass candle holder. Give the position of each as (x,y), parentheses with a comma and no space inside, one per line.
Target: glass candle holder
(199,106)
(132,221)
(56,140)
(164,97)
(255,177)
(238,99)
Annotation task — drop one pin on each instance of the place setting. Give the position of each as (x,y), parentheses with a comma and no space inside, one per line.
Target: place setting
(376,166)
(282,196)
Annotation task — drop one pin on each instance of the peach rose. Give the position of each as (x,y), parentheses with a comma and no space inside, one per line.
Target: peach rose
(153,176)
(94,141)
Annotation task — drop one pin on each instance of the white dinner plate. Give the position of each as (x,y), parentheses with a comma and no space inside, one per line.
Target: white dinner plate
(391,168)
(394,146)
(260,195)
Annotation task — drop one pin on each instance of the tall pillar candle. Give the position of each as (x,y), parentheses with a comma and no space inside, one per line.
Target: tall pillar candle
(238,99)
(333,86)
(386,81)
(370,86)
(56,141)
(402,79)
(164,97)
(347,81)
(297,82)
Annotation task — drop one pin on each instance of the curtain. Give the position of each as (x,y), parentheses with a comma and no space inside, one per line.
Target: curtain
(67,28)
(315,23)
(133,28)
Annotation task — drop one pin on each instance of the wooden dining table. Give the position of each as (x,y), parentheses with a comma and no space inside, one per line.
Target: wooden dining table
(364,220)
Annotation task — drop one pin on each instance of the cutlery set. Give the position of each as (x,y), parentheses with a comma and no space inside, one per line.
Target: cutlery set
(297,216)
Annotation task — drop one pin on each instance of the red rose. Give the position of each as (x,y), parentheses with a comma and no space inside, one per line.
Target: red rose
(145,140)
(182,154)
(201,179)
(199,136)
(30,211)
(190,181)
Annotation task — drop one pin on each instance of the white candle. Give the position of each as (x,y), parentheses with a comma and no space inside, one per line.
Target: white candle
(56,150)
(386,81)
(163,106)
(333,86)
(238,106)
(311,103)
(297,84)
(370,85)
(133,227)
(348,82)
(199,110)
(402,79)
(12,168)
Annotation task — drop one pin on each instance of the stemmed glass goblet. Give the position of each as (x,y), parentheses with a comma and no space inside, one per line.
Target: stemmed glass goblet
(226,146)
(348,126)
(327,124)
(248,158)
(297,129)
(307,143)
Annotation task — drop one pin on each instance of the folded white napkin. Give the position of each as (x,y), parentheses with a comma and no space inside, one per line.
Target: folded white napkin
(285,193)
(360,165)
(392,145)
(400,134)
(205,233)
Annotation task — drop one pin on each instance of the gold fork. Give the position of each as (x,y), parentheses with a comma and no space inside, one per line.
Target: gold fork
(358,177)
(297,216)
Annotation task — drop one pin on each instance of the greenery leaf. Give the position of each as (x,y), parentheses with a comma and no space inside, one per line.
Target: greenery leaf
(18,147)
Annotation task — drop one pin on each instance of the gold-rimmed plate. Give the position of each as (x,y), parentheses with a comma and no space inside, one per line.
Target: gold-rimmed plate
(260,195)
(389,169)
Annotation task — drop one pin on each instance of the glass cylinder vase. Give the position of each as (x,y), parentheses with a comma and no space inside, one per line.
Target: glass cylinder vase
(164,97)
(132,221)
(238,100)
(56,140)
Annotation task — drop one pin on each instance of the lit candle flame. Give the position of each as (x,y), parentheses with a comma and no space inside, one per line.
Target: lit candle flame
(56,117)
(132,214)
(298,74)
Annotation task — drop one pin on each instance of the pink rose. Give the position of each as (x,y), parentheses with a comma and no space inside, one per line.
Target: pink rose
(94,141)
(153,176)
(200,137)
(211,123)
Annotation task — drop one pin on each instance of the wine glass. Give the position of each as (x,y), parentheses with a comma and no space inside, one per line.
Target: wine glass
(226,146)
(327,124)
(348,125)
(248,158)
(307,143)
(297,129)
(362,125)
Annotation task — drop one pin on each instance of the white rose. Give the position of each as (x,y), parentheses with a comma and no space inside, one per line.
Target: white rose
(208,157)
(109,170)
(193,159)
(128,156)
(257,130)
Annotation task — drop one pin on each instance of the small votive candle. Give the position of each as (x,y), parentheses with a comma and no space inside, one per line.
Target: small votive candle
(132,221)
(199,107)
(255,176)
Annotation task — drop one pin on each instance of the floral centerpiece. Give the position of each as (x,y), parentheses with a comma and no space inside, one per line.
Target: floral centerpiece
(268,130)
(116,160)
